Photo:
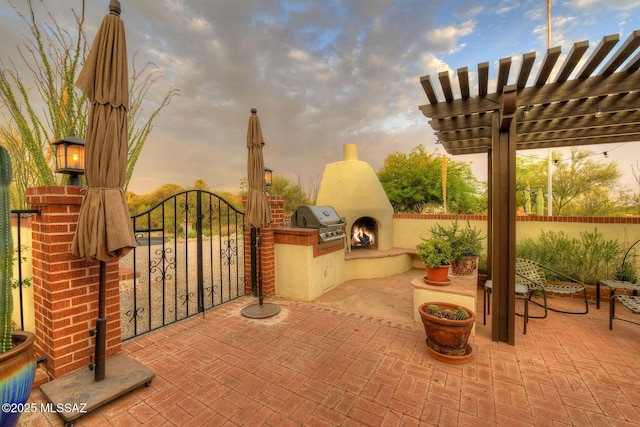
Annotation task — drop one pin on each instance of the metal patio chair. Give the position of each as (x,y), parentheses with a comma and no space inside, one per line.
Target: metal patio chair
(521,290)
(531,279)
(630,302)
(534,275)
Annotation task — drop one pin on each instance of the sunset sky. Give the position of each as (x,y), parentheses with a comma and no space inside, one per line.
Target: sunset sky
(320,73)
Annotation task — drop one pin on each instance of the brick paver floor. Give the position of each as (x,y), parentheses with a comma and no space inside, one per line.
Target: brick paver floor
(316,365)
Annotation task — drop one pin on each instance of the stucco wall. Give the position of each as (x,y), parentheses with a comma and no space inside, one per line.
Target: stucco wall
(409,228)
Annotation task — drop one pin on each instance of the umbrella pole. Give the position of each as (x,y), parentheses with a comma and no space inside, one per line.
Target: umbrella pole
(259,246)
(254,268)
(101,325)
(260,310)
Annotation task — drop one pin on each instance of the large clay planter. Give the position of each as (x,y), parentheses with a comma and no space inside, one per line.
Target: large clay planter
(464,266)
(437,276)
(17,371)
(445,336)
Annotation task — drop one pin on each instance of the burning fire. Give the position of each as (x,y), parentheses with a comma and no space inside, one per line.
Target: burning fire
(362,237)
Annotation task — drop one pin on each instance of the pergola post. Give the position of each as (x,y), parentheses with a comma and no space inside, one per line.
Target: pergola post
(503,218)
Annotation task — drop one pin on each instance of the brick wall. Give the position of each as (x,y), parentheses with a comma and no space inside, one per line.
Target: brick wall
(65,286)
(276,203)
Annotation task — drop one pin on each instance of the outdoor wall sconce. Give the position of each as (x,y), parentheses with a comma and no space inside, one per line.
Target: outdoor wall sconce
(527,111)
(598,113)
(268,176)
(70,158)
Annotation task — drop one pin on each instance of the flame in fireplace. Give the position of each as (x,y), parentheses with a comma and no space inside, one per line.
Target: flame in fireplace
(362,237)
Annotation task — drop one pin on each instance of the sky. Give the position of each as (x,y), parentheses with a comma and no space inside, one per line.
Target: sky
(321,73)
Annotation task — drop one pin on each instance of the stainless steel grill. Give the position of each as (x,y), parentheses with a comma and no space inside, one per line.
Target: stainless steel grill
(324,218)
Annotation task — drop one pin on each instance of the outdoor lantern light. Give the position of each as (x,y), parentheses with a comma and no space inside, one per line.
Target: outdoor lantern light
(70,158)
(268,178)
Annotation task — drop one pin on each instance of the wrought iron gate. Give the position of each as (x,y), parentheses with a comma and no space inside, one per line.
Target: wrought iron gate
(190,257)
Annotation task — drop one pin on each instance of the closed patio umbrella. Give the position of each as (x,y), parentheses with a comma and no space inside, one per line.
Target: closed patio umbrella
(258,213)
(104,227)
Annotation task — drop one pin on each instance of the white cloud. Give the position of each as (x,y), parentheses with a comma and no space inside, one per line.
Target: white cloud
(322,74)
(445,39)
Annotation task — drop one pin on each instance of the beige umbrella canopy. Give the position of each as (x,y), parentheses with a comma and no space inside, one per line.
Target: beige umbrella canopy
(104,227)
(258,214)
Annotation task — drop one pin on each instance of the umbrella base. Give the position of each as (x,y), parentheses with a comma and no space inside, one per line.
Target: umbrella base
(77,393)
(261,311)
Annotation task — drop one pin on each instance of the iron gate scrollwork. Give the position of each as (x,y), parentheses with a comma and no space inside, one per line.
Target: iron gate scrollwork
(190,258)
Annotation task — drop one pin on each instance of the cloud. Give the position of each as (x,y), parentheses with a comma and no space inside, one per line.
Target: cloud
(321,73)
(446,39)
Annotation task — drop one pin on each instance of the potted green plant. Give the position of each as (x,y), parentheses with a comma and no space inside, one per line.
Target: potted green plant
(448,328)
(437,254)
(17,349)
(466,243)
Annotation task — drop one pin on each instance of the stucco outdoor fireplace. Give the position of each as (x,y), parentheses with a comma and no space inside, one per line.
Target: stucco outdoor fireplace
(352,187)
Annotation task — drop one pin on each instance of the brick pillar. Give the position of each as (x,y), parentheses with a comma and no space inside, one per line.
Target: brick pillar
(276,203)
(66,287)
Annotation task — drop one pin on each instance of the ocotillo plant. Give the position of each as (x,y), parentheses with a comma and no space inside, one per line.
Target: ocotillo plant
(6,253)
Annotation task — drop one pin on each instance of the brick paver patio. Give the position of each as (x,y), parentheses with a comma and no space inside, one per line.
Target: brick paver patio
(318,365)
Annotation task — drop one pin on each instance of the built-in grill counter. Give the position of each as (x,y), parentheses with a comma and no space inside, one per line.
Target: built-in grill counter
(311,253)
(325,219)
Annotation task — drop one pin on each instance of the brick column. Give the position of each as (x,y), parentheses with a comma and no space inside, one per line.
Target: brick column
(65,286)
(276,203)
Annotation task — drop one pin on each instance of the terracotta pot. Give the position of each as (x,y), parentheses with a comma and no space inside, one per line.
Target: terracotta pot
(464,266)
(17,371)
(482,279)
(447,336)
(437,275)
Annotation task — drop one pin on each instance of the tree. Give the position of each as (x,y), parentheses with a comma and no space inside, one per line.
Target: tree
(581,185)
(582,179)
(413,181)
(293,194)
(54,56)
(531,173)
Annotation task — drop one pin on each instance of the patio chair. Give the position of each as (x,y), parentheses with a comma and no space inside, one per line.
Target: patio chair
(535,277)
(631,302)
(531,279)
(521,290)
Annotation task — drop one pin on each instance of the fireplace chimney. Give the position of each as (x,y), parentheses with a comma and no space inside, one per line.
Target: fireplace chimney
(352,187)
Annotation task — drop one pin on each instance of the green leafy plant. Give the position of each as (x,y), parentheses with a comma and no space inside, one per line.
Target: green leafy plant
(435,252)
(458,314)
(482,263)
(626,272)
(465,241)
(587,258)
(6,253)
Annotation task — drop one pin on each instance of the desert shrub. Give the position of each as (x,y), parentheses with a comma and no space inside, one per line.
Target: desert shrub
(589,258)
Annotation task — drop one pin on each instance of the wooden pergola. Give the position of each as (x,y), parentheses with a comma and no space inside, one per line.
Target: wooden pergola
(595,104)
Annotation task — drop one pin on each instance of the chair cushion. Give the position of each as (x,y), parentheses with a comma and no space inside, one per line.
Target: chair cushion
(520,288)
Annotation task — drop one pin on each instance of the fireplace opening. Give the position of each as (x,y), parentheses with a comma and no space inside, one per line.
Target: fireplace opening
(364,234)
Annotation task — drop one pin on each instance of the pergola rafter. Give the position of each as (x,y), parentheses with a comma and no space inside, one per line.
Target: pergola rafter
(588,101)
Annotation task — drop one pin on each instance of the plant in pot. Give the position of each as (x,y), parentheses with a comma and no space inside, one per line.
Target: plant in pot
(466,243)
(17,349)
(448,327)
(437,254)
